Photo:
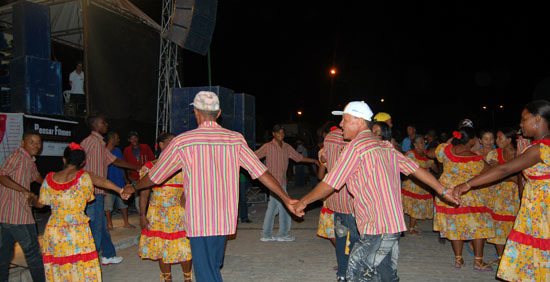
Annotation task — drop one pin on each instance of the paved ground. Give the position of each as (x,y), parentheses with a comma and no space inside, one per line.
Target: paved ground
(309,258)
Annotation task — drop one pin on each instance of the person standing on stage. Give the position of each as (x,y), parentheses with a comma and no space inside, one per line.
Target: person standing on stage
(98,158)
(276,154)
(210,158)
(16,220)
(371,169)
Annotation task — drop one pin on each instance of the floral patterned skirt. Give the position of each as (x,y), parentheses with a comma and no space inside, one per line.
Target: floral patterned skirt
(326,223)
(69,253)
(165,237)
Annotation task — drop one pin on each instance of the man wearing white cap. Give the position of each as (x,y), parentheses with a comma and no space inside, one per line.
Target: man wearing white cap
(210,158)
(371,168)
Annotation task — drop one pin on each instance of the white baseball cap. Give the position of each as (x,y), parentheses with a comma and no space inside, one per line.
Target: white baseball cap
(206,101)
(358,109)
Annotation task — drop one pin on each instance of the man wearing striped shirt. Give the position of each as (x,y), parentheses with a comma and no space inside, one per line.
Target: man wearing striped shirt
(16,220)
(371,168)
(276,154)
(340,202)
(98,159)
(209,158)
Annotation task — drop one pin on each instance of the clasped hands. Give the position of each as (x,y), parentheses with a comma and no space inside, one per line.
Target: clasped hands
(127,191)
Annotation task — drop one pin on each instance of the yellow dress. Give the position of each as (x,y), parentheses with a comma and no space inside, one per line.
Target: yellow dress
(418,202)
(504,202)
(472,220)
(68,249)
(325,228)
(165,236)
(527,253)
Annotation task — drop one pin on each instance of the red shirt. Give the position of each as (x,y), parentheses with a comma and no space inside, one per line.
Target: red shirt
(145,155)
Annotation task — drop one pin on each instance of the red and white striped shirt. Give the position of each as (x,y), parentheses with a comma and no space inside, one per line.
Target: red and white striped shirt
(210,158)
(276,158)
(339,201)
(20,167)
(98,158)
(371,170)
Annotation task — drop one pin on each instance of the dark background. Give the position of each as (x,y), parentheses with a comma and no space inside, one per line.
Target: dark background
(433,63)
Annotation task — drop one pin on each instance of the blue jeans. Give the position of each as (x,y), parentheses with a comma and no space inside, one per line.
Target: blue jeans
(207,257)
(98,226)
(274,207)
(244,185)
(344,223)
(27,237)
(374,258)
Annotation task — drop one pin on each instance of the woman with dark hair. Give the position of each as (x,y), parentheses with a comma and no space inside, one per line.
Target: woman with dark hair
(163,235)
(527,249)
(68,247)
(486,142)
(382,130)
(472,220)
(504,196)
(418,202)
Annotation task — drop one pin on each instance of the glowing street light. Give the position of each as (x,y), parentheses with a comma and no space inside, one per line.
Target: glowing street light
(300,113)
(332,71)
(484,107)
(501,106)
(382,100)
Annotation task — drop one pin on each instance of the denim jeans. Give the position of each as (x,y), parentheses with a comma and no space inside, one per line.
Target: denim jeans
(207,257)
(344,223)
(98,226)
(244,185)
(274,206)
(374,258)
(27,237)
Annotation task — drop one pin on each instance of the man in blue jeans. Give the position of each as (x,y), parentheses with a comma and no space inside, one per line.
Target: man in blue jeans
(340,202)
(98,158)
(371,170)
(16,220)
(276,154)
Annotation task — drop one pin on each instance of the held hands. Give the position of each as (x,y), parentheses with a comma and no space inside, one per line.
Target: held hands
(451,197)
(460,189)
(299,208)
(127,191)
(290,204)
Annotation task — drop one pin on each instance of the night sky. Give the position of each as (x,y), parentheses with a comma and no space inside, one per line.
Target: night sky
(433,63)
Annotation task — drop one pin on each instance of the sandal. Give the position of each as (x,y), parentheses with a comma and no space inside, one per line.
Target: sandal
(495,263)
(187,276)
(413,232)
(479,265)
(459,262)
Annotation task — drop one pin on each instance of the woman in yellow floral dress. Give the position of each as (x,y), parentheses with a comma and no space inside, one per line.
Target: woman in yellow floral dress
(418,202)
(163,236)
(472,220)
(527,252)
(504,195)
(68,247)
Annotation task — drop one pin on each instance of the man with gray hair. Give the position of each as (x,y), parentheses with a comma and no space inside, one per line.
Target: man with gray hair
(371,168)
(210,158)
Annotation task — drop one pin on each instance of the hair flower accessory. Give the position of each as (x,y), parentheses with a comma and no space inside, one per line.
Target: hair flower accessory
(75,146)
(457,134)
(333,128)
(156,146)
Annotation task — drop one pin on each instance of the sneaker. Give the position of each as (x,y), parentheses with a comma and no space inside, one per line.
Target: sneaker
(268,239)
(287,238)
(112,260)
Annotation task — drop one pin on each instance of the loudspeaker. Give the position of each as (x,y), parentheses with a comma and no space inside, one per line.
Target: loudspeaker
(192,24)
(31,30)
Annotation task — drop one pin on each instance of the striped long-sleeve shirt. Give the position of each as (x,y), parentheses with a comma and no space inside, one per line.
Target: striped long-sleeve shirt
(210,158)
(371,170)
(20,167)
(98,158)
(276,158)
(339,201)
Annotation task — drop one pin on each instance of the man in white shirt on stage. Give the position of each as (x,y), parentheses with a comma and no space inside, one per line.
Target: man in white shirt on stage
(76,80)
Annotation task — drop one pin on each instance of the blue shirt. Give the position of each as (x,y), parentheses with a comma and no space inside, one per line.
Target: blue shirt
(407,144)
(114,173)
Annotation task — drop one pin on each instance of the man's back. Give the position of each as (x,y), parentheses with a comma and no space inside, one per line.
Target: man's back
(210,158)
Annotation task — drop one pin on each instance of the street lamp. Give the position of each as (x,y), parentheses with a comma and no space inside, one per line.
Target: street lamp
(299,113)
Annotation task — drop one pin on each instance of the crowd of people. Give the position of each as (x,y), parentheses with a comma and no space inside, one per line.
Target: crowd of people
(477,186)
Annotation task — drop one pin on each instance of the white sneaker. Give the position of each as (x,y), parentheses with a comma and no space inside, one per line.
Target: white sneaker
(113,260)
(268,239)
(287,238)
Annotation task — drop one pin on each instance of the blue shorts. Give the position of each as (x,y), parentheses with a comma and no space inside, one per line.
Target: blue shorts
(113,199)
